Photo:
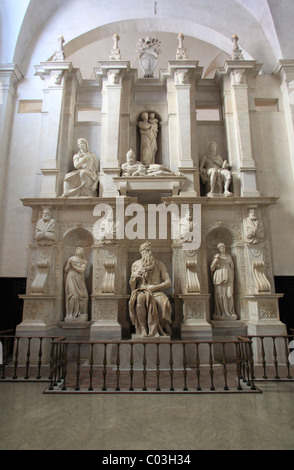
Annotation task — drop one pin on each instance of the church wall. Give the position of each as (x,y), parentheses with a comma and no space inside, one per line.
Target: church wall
(276,174)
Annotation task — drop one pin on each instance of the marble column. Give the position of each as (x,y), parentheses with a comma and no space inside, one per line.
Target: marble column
(235,76)
(111,73)
(9,76)
(54,74)
(183,127)
(284,71)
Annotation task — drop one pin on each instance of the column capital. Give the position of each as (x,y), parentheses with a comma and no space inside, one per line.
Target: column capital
(285,70)
(184,71)
(10,73)
(53,72)
(250,68)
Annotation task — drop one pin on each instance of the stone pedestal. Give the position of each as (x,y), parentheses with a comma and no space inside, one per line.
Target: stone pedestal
(105,311)
(227,330)
(264,320)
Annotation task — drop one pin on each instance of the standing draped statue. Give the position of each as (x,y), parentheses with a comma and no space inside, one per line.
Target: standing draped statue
(222,268)
(148,131)
(76,295)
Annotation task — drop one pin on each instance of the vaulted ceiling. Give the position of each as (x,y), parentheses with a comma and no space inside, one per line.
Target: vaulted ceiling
(30,28)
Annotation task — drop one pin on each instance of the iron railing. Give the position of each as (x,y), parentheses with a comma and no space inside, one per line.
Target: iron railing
(272,357)
(24,358)
(155,366)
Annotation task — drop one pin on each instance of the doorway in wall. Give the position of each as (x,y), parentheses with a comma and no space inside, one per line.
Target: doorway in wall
(285,285)
(12,305)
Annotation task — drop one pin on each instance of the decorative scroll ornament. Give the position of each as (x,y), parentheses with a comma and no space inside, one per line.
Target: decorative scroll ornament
(192,281)
(261,282)
(148,51)
(109,278)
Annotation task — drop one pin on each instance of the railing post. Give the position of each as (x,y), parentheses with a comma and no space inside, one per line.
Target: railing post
(91,362)
(64,366)
(171,370)
(16,358)
(40,358)
(225,367)
(104,367)
(198,366)
(144,367)
(211,372)
(117,367)
(185,367)
(131,367)
(275,357)
(157,368)
(287,352)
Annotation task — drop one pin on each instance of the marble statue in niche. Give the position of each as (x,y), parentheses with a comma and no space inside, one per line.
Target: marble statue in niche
(148,127)
(222,269)
(148,52)
(253,228)
(215,171)
(76,294)
(45,229)
(82,182)
(133,167)
(149,307)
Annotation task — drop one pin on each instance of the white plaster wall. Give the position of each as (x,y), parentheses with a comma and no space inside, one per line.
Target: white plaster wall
(22,177)
(277,175)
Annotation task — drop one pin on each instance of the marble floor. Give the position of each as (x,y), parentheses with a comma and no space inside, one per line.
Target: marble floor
(32,420)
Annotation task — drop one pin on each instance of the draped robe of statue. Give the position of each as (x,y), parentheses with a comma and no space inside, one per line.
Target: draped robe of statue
(222,267)
(150,310)
(76,294)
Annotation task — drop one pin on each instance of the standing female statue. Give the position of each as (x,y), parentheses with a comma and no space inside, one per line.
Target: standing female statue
(76,295)
(222,267)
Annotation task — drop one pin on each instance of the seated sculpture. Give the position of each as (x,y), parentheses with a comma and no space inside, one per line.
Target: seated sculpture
(215,171)
(82,182)
(149,307)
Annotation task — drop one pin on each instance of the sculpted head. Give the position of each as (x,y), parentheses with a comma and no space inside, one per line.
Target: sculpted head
(212,146)
(221,247)
(83,144)
(130,156)
(46,214)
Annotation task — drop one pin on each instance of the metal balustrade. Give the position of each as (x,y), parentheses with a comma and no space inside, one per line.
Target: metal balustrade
(146,366)
(152,367)
(272,357)
(23,357)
